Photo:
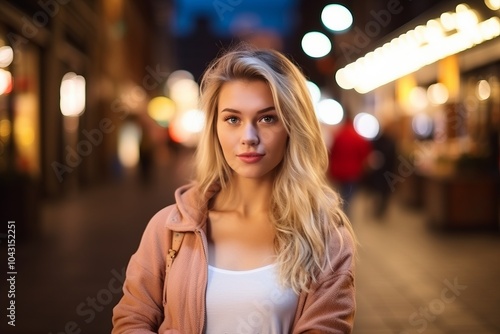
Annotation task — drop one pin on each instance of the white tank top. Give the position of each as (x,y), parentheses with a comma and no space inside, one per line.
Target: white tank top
(250,301)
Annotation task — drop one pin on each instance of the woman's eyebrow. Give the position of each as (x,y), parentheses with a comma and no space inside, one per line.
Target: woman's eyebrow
(231,110)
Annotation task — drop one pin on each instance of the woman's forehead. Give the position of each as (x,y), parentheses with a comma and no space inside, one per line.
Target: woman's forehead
(245,91)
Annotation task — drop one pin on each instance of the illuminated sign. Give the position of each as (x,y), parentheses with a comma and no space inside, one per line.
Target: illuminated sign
(451,33)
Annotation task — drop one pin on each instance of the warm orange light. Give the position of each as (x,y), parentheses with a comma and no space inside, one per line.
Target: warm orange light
(5,128)
(404,86)
(162,110)
(449,76)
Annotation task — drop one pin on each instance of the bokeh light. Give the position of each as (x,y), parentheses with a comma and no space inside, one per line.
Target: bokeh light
(176,76)
(466,18)
(493,4)
(336,17)
(185,94)
(448,21)
(418,98)
(316,44)
(483,90)
(314,91)
(72,99)
(5,82)
(192,121)
(329,111)
(23,131)
(185,129)
(366,125)
(6,56)
(437,93)
(422,125)
(129,140)
(5,128)
(162,110)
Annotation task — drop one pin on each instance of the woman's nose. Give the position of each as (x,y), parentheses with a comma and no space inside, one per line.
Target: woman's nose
(250,135)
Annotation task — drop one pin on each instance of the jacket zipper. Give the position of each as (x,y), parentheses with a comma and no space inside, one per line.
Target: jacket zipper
(202,236)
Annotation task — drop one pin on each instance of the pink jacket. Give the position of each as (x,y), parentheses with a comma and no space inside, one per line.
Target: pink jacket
(151,305)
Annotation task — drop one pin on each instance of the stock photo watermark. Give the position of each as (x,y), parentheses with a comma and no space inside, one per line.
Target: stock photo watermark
(94,137)
(380,19)
(84,148)
(11,273)
(420,319)
(224,6)
(88,309)
(407,166)
(41,18)
(254,321)
(73,156)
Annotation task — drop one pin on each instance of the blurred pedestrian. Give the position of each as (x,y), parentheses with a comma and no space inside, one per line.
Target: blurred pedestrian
(348,156)
(146,155)
(381,162)
(260,242)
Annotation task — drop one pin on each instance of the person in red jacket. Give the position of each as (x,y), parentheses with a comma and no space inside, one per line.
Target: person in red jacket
(348,157)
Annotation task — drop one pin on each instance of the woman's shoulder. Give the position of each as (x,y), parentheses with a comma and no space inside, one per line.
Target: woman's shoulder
(158,223)
(161,217)
(170,212)
(342,249)
(185,214)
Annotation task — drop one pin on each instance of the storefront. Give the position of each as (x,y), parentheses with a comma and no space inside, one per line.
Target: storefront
(65,71)
(20,150)
(438,84)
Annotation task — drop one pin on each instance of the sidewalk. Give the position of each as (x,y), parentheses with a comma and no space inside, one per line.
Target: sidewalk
(409,279)
(69,275)
(414,280)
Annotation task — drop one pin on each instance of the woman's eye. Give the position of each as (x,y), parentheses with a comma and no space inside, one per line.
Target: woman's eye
(231,120)
(268,119)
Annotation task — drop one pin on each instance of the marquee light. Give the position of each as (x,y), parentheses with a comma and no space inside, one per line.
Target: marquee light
(451,33)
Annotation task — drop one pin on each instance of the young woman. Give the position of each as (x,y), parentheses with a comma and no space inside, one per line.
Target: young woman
(266,247)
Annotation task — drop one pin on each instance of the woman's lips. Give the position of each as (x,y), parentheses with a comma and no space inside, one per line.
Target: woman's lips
(250,158)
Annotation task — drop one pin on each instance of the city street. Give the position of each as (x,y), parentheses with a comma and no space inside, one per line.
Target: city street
(409,279)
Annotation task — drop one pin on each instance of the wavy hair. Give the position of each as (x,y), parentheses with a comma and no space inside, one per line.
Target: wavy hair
(305,210)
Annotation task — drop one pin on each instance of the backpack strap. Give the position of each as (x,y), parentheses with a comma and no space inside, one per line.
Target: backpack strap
(177,238)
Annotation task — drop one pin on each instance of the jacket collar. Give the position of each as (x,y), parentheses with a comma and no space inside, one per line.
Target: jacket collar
(191,208)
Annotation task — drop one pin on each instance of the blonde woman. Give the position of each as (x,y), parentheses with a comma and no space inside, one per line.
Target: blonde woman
(266,247)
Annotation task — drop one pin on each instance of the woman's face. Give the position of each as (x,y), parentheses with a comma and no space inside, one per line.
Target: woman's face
(252,137)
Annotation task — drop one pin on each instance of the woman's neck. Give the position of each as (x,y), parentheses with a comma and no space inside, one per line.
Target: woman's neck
(245,196)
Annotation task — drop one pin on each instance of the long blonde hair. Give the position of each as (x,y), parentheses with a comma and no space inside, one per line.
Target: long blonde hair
(306,212)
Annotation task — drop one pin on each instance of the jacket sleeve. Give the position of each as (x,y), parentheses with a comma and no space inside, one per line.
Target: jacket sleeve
(330,305)
(140,310)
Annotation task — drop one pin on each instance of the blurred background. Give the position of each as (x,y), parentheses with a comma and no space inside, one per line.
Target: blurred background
(99,119)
